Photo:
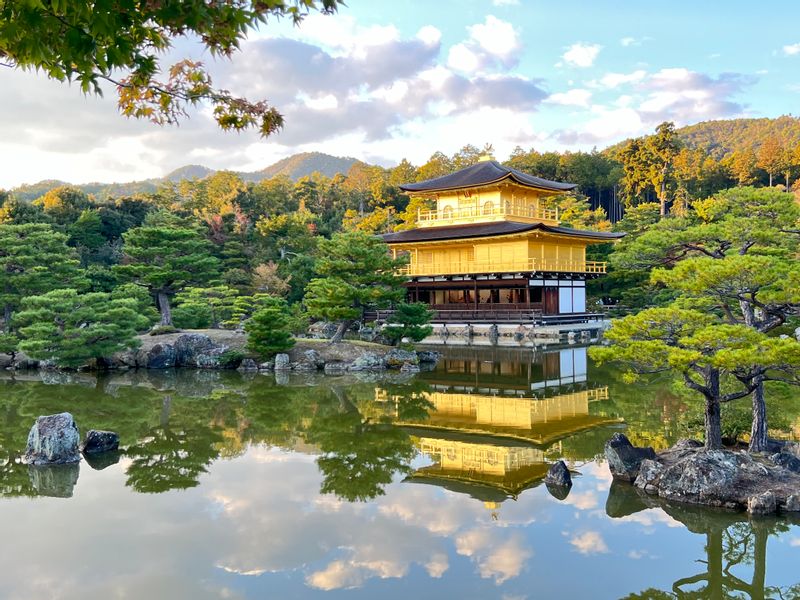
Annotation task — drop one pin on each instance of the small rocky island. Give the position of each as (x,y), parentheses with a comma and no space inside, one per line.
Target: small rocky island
(762,484)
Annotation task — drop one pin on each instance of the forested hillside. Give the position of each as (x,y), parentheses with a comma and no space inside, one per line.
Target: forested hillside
(722,138)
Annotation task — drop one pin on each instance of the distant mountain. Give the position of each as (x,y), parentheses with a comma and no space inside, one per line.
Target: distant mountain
(302,165)
(293,167)
(188,172)
(723,137)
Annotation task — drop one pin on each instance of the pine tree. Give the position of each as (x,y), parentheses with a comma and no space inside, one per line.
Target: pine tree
(268,329)
(34,259)
(409,320)
(356,272)
(70,329)
(166,259)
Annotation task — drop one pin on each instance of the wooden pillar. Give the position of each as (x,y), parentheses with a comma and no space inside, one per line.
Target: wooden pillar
(475,291)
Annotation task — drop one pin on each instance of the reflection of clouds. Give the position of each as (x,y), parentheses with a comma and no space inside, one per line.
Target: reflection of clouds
(649,518)
(496,558)
(795,541)
(583,500)
(337,575)
(589,542)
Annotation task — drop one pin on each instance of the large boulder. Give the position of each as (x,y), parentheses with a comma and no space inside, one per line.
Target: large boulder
(282,362)
(624,458)
(160,356)
(700,477)
(787,461)
(428,356)
(368,361)
(762,504)
(322,330)
(199,351)
(53,440)
(97,442)
(397,357)
(558,475)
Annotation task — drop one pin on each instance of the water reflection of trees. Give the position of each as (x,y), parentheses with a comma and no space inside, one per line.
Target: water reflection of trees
(733,543)
(173,425)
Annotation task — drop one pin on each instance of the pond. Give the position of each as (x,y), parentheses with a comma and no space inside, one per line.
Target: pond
(430,486)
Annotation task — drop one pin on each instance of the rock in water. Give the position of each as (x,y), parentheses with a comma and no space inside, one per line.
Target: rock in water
(397,357)
(282,362)
(248,365)
(53,440)
(624,459)
(762,504)
(558,475)
(97,442)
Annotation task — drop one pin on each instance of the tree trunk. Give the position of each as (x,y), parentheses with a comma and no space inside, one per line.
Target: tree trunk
(164,309)
(770,180)
(758,430)
(7,318)
(713,418)
(787,181)
(340,331)
(713,425)
(662,196)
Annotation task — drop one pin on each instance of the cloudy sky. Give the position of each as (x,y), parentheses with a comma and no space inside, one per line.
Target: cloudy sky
(384,80)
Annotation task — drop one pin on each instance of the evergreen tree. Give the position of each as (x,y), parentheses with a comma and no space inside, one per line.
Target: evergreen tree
(165,259)
(355,272)
(268,329)
(34,259)
(409,320)
(70,329)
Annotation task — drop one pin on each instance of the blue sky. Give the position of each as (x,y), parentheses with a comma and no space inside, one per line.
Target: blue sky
(383,80)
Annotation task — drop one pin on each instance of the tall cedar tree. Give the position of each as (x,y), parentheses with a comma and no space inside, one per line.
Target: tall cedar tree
(70,329)
(165,260)
(356,272)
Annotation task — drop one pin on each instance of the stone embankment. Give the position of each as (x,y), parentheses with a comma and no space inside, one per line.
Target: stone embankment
(224,349)
(731,479)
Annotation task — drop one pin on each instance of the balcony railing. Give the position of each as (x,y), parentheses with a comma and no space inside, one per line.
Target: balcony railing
(513,266)
(469,214)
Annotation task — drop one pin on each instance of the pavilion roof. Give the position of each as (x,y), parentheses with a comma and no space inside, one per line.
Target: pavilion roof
(473,230)
(485,173)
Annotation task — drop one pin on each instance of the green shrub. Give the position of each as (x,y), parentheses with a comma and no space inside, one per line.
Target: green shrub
(231,358)
(192,316)
(409,320)
(268,329)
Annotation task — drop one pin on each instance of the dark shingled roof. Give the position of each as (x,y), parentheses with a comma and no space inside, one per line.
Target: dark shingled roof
(484,173)
(454,232)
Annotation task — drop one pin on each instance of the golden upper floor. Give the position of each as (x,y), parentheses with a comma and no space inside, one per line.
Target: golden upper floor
(487,192)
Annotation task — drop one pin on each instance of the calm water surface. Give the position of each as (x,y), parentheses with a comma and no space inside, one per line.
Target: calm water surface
(238,487)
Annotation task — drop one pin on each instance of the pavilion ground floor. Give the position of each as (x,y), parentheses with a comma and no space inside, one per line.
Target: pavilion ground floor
(502,298)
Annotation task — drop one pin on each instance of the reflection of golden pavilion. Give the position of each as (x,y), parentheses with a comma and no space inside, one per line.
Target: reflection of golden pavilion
(492,421)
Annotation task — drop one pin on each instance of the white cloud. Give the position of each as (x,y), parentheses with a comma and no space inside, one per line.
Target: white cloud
(612,80)
(590,542)
(505,2)
(491,44)
(633,41)
(581,55)
(574,97)
(791,49)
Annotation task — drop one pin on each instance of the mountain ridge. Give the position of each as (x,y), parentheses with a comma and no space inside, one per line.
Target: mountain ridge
(294,167)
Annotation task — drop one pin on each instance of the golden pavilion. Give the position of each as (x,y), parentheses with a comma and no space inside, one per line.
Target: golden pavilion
(492,251)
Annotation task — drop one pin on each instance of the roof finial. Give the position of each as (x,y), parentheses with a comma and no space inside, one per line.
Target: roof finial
(487,153)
